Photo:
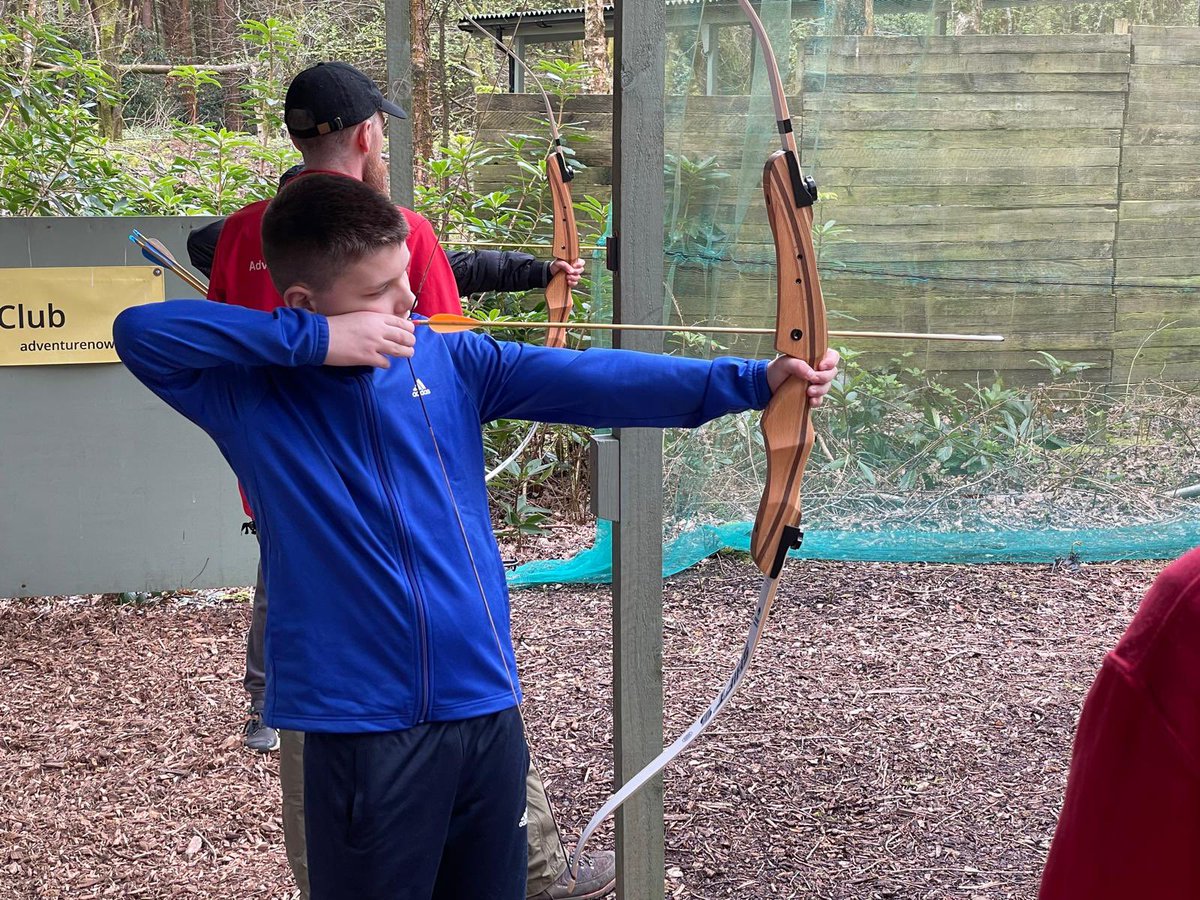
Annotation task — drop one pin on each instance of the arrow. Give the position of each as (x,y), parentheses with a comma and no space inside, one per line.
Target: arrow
(448,323)
(158,254)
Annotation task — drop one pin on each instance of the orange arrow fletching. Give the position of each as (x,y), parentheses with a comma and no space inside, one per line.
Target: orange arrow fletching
(449,323)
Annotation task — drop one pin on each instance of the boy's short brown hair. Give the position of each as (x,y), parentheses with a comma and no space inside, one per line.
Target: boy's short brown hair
(319,224)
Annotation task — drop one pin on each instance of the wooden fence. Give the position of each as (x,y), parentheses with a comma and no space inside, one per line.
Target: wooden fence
(1046,187)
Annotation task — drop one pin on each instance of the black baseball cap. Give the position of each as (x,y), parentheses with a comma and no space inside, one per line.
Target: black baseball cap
(331,96)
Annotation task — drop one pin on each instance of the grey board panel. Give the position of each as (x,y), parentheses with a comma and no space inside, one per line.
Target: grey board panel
(105,488)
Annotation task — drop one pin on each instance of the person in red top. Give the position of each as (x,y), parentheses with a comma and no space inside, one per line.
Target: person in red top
(1130,824)
(240,277)
(335,116)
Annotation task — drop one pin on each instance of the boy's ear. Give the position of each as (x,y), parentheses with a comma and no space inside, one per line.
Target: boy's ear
(298,296)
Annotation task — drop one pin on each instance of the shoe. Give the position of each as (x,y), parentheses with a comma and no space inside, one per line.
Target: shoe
(597,877)
(260,737)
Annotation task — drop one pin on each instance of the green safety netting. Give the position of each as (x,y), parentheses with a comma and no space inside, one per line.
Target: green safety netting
(1164,541)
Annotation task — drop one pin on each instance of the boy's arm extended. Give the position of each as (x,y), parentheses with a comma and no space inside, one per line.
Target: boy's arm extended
(171,346)
(604,388)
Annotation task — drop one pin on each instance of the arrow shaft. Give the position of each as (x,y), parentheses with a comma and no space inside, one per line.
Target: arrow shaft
(717,329)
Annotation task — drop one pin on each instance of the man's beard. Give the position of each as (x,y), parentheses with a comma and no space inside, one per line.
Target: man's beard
(375,174)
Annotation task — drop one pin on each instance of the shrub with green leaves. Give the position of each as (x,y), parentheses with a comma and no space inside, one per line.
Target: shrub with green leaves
(54,160)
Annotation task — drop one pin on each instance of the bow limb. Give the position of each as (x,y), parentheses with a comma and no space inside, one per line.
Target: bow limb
(766,597)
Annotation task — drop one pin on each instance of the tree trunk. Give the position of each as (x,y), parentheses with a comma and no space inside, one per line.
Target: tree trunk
(595,46)
(421,114)
(233,117)
(970,19)
(109,24)
(146,10)
(443,77)
(176,18)
(27,53)
(853,17)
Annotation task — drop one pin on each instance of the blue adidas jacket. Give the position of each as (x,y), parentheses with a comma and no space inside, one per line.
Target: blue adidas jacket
(376,622)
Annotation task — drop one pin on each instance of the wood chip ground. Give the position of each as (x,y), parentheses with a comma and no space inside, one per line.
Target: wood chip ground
(904,733)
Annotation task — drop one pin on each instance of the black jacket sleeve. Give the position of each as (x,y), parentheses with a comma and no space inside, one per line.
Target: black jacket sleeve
(202,246)
(477,271)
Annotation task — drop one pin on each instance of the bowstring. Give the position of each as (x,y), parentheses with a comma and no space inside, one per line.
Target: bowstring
(462,528)
(556,141)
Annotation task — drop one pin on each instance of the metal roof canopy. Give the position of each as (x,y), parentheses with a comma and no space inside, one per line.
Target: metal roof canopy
(523,27)
(565,23)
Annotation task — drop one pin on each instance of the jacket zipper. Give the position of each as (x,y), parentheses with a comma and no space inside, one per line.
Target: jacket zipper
(367,389)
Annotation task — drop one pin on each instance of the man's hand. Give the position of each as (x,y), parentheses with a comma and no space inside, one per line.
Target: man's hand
(784,367)
(573,270)
(368,339)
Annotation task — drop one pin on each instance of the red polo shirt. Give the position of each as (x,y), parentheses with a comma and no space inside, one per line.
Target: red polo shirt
(240,277)
(1130,825)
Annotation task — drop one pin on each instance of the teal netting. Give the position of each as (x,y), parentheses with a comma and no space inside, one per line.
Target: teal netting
(1166,541)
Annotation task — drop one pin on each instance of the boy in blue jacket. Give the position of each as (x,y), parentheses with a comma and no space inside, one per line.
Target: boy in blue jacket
(388,642)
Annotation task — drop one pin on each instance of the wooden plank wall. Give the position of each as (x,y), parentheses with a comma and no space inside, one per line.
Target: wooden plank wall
(1158,232)
(1047,187)
(978,176)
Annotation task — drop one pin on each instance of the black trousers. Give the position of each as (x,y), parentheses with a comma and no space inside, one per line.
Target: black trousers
(435,812)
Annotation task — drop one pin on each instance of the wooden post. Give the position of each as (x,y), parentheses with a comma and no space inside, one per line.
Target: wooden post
(399,90)
(709,38)
(513,67)
(638,142)
(517,73)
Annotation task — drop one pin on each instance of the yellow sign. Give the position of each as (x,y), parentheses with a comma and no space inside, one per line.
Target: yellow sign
(65,315)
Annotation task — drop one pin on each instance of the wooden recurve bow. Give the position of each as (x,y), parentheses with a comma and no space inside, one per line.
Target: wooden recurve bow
(559,174)
(566,236)
(800,331)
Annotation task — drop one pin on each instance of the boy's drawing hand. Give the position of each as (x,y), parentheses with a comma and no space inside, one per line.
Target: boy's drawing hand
(368,339)
(573,270)
(784,367)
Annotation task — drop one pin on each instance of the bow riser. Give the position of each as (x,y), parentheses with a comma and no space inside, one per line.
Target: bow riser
(800,332)
(558,173)
(800,329)
(566,244)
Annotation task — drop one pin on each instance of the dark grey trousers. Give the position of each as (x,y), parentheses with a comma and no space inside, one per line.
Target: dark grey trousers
(255,681)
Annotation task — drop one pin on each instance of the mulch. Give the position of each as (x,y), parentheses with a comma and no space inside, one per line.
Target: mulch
(904,732)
